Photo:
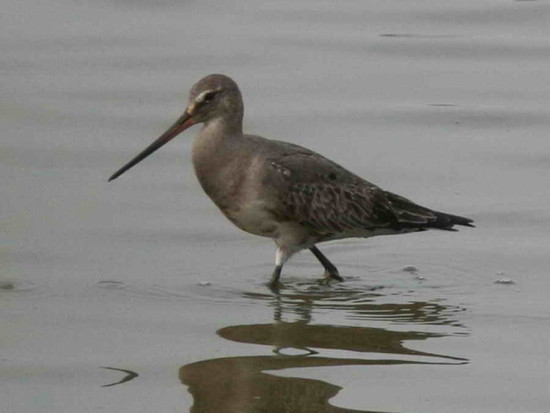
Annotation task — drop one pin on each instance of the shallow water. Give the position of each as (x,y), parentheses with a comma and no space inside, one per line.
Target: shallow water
(143,280)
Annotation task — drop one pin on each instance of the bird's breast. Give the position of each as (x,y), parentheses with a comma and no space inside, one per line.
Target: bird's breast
(230,184)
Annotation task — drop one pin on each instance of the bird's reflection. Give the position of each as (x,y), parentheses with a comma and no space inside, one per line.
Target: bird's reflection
(245,385)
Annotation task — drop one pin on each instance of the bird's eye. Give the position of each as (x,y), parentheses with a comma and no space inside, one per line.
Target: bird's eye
(208,97)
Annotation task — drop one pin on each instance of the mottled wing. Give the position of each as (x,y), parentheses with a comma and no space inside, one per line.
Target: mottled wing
(324,196)
(331,200)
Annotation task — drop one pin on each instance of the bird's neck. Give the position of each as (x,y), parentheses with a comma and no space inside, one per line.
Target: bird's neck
(213,147)
(214,152)
(225,128)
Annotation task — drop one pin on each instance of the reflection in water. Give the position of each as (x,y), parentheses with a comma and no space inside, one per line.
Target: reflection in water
(239,385)
(245,385)
(301,336)
(129,375)
(359,304)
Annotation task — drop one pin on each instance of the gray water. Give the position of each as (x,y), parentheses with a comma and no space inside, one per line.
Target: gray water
(443,102)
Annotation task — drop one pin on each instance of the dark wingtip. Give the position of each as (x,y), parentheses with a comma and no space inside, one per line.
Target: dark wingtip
(448,221)
(465,222)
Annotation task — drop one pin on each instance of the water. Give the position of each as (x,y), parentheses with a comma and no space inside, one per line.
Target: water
(443,102)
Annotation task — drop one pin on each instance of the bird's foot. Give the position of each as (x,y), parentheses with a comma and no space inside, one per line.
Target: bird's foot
(275,286)
(333,275)
(330,278)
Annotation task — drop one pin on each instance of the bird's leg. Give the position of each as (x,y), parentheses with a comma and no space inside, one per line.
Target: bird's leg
(276,275)
(281,257)
(330,270)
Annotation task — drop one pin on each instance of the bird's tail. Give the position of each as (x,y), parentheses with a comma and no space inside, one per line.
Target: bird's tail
(411,215)
(447,221)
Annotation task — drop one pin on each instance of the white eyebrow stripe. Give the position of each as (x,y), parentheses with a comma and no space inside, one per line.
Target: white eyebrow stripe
(201,97)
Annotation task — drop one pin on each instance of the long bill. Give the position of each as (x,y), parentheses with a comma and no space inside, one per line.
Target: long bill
(184,122)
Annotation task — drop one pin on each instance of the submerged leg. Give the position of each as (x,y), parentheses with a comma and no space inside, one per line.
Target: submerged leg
(330,270)
(281,257)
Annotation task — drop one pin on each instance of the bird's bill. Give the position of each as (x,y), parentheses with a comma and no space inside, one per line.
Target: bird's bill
(184,122)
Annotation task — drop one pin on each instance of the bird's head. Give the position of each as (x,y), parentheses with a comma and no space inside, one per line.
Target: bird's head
(213,98)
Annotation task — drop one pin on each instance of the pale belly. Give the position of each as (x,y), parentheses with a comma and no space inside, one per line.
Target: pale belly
(255,219)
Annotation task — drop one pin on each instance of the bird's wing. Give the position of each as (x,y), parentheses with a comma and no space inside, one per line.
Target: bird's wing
(326,197)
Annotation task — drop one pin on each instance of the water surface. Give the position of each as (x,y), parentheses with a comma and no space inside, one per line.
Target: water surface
(442,102)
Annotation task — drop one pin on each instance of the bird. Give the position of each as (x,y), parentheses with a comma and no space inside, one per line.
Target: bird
(284,191)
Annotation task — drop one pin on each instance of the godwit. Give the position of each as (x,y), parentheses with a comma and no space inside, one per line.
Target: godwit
(283,191)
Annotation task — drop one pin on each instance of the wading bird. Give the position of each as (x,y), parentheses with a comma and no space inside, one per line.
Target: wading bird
(283,191)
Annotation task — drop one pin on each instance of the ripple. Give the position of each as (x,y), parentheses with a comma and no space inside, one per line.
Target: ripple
(358,302)
(140,290)
(396,296)
(111,285)
(410,268)
(505,281)
(6,285)
(15,287)
(201,291)
(420,36)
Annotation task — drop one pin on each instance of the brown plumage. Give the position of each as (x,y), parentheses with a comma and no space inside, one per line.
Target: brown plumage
(284,191)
